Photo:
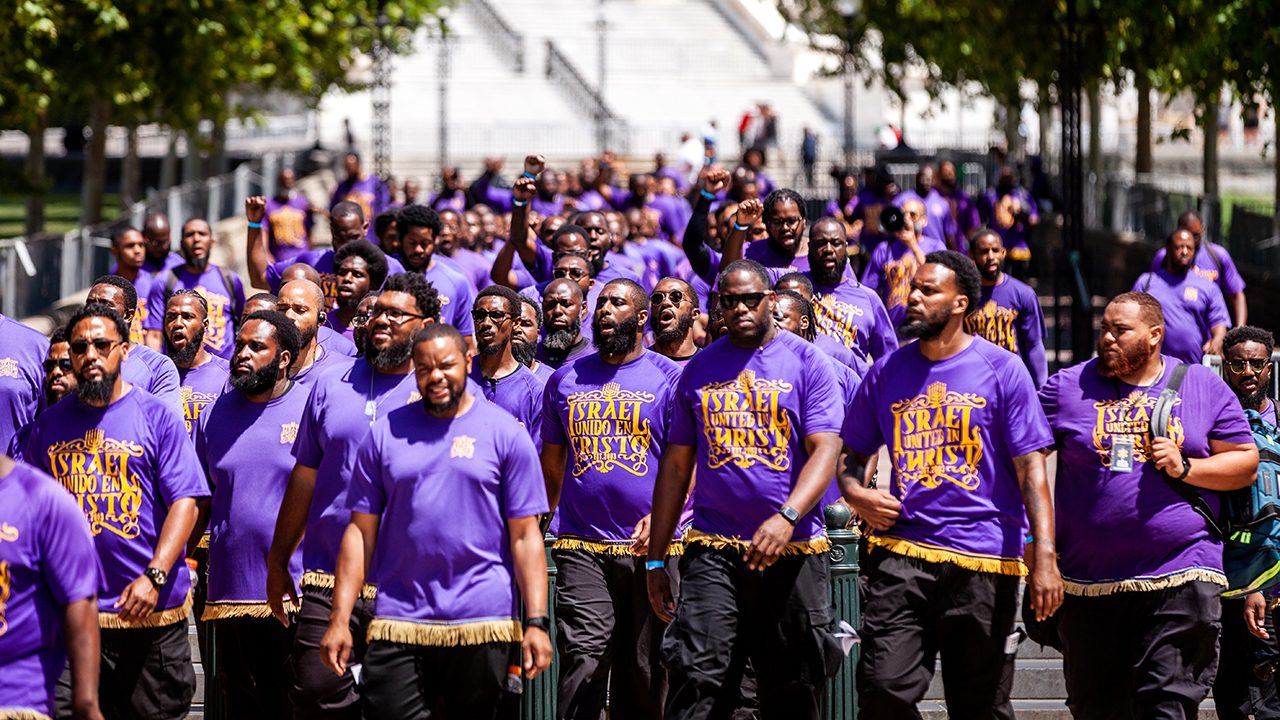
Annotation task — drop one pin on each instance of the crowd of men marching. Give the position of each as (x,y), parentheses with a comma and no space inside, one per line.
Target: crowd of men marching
(349,475)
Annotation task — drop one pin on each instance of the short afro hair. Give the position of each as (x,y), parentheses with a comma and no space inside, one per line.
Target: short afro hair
(537,309)
(423,292)
(99,310)
(287,336)
(799,279)
(1248,333)
(783,195)
(744,265)
(382,222)
(440,330)
(373,257)
(130,292)
(418,216)
(1149,308)
(506,293)
(968,281)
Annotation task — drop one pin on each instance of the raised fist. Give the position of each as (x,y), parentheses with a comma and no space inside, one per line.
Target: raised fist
(715,180)
(523,190)
(534,164)
(255,208)
(749,212)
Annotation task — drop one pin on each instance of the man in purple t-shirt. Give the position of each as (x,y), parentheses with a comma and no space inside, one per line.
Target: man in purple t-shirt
(302,301)
(418,226)
(1195,314)
(1213,263)
(203,375)
(158,235)
(368,191)
(49,575)
(128,463)
(756,414)
(220,287)
(563,306)
(504,381)
(58,382)
(445,498)
(1010,210)
(144,368)
(1008,313)
(963,209)
(288,219)
(848,312)
(361,269)
(604,426)
(946,543)
(22,350)
(893,264)
(1143,568)
(524,338)
(784,217)
(129,249)
(673,315)
(244,444)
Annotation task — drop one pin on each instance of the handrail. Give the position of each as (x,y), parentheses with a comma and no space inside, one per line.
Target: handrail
(505,40)
(583,95)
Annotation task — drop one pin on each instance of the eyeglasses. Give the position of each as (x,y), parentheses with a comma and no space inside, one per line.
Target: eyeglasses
(573,273)
(497,316)
(675,296)
(395,316)
(1256,364)
(792,221)
(751,300)
(63,364)
(102,345)
(360,320)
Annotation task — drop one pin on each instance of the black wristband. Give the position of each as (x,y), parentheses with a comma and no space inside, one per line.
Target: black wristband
(542,622)
(1186,468)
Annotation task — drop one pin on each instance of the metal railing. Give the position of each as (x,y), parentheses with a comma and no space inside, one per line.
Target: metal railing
(586,98)
(504,39)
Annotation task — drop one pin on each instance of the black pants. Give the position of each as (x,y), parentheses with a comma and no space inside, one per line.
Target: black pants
(1239,691)
(199,594)
(145,674)
(604,622)
(316,691)
(414,682)
(917,612)
(782,619)
(1149,655)
(253,667)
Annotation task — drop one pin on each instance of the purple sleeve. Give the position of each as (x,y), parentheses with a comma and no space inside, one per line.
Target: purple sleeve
(367,493)
(155,305)
(1024,417)
(1049,398)
(684,428)
(883,339)
(166,385)
(71,563)
(176,466)
(542,262)
(465,298)
(201,444)
(307,449)
(524,492)
(1158,260)
(871,275)
(496,198)
(1230,280)
(34,452)
(552,431)
(275,269)
(1216,307)
(823,401)
(861,430)
(1031,340)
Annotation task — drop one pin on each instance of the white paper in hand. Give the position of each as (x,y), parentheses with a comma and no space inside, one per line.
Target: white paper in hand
(847,636)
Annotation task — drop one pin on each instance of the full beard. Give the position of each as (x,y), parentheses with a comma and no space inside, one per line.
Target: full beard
(1128,363)
(455,397)
(256,382)
(97,392)
(523,352)
(684,323)
(1255,399)
(197,263)
(493,348)
(924,329)
(562,340)
(393,356)
(623,340)
(187,355)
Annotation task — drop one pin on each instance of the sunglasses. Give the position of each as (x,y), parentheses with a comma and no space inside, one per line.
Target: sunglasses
(360,320)
(675,296)
(63,364)
(751,300)
(497,316)
(397,317)
(102,345)
(1256,364)
(572,273)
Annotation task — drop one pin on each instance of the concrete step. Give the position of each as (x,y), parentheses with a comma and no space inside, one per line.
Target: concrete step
(1042,710)
(1033,679)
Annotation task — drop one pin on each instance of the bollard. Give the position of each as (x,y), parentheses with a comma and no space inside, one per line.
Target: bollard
(213,707)
(840,702)
(539,699)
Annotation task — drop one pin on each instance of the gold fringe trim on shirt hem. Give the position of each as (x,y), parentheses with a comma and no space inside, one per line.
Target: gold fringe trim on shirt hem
(408,632)
(599,547)
(931,553)
(813,546)
(1144,584)
(22,714)
(325,581)
(112,621)
(249,609)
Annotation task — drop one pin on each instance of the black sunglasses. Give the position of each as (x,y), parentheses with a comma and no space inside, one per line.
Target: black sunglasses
(751,300)
(574,273)
(675,296)
(102,345)
(494,315)
(63,364)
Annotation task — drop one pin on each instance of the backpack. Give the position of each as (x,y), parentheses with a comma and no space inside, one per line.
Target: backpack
(1251,549)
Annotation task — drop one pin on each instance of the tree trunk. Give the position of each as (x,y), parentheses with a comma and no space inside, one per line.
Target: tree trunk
(1095,129)
(33,176)
(95,163)
(1209,124)
(1012,119)
(169,166)
(130,171)
(218,153)
(1142,163)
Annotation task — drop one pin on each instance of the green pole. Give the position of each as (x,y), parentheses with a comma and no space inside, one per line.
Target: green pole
(539,699)
(841,700)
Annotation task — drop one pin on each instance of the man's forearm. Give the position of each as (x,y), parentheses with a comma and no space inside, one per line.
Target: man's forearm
(175,532)
(851,472)
(669,495)
(349,575)
(1033,481)
(259,257)
(291,523)
(1224,470)
(529,555)
(83,651)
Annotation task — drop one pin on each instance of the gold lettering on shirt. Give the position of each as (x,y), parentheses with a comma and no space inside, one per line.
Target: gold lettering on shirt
(329,283)
(288,433)
(897,278)
(95,469)
(1190,294)
(288,226)
(8,367)
(837,319)
(6,584)
(219,314)
(1208,274)
(607,431)
(136,334)
(8,533)
(996,324)
(936,440)
(744,422)
(194,404)
(463,447)
(1130,418)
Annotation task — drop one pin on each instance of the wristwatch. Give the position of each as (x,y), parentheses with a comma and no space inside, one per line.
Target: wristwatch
(789,514)
(1186,468)
(542,622)
(157,577)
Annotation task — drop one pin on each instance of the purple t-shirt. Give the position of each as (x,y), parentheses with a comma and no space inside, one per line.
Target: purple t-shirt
(22,354)
(456,296)
(843,356)
(171,261)
(543,372)
(329,361)
(472,265)
(334,340)
(1009,316)
(288,227)
(47,562)
(322,261)
(854,314)
(849,381)
(245,447)
(767,255)
(889,272)
(940,223)
(1121,529)
(953,428)
(612,420)
(1228,279)
(155,374)
(1014,234)
(336,419)
(749,412)
(369,192)
(445,490)
(125,464)
(141,317)
(202,385)
(519,393)
(963,209)
(1192,307)
(224,306)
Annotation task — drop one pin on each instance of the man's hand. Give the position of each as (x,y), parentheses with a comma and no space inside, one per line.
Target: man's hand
(767,544)
(534,164)
(878,509)
(335,648)
(749,212)
(1167,456)
(86,712)
(279,584)
(1255,615)
(138,600)
(523,189)
(1212,346)
(255,208)
(640,537)
(536,648)
(1044,582)
(493,165)
(660,598)
(715,179)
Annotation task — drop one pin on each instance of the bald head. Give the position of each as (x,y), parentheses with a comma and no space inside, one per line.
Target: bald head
(155,230)
(302,301)
(299,271)
(303,289)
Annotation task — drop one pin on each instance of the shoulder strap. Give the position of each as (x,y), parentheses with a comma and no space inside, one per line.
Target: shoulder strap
(229,284)
(1217,261)
(170,284)
(1160,428)
(1147,286)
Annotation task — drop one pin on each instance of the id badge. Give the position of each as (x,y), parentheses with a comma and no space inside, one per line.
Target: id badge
(1122,454)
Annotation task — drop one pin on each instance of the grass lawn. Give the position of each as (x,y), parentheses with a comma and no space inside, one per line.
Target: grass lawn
(62,212)
(1259,203)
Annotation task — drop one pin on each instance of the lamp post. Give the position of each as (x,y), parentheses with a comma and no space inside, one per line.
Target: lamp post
(848,9)
(442,69)
(602,122)
(381,94)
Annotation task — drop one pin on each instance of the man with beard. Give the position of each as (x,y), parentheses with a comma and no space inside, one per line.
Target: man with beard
(452,485)
(892,265)
(609,265)
(601,475)
(1143,569)
(964,211)
(418,226)
(524,339)
(946,543)
(337,417)
(324,335)
(129,249)
(847,311)
(784,219)
(1238,691)
(1213,263)
(361,269)
(203,375)
(504,381)
(1008,313)
(116,447)
(754,574)
(244,444)
(562,308)
(219,286)
(1195,314)
(673,307)
(159,238)
(302,301)
(22,349)
(58,382)
(143,367)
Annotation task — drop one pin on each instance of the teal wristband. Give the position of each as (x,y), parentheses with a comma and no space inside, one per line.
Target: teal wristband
(255,225)
(707,195)
(655,565)
(741,228)
(519,203)
(1029,539)
(529,175)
